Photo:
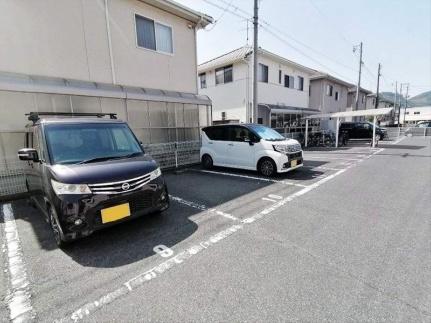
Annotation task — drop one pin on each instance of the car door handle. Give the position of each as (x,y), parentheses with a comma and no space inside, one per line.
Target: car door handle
(230,144)
(210,143)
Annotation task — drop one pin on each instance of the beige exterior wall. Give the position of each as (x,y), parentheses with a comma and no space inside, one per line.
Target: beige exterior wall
(68,39)
(325,103)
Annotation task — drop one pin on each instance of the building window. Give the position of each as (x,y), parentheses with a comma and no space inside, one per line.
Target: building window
(223,115)
(407,112)
(280,76)
(262,73)
(300,83)
(329,90)
(203,81)
(260,120)
(363,99)
(417,112)
(153,35)
(289,81)
(223,75)
(337,96)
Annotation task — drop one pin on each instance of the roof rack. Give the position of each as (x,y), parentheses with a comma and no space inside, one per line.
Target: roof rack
(34,116)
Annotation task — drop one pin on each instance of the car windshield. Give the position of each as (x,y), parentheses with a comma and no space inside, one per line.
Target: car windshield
(267,133)
(90,142)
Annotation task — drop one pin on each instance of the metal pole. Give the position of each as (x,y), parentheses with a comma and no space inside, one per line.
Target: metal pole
(336,132)
(405,108)
(395,100)
(374,131)
(255,62)
(378,83)
(399,105)
(359,77)
(306,132)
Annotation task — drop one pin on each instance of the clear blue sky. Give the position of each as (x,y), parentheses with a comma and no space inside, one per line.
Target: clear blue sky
(396,33)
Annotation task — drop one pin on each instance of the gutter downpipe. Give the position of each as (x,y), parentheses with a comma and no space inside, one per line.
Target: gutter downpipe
(108,33)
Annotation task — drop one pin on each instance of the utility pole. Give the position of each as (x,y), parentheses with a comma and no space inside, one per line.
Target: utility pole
(378,83)
(399,106)
(359,78)
(395,100)
(255,55)
(405,108)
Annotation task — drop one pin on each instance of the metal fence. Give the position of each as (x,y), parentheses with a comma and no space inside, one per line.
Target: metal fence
(12,177)
(175,154)
(169,155)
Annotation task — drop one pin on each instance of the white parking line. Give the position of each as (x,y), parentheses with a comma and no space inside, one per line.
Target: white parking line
(202,207)
(248,177)
(335,158)
(267,199)
(156,271)
(132,284)
(323,167)
(18,299)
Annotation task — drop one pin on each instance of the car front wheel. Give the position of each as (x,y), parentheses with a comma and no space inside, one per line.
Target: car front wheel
(267,167)
(56,228)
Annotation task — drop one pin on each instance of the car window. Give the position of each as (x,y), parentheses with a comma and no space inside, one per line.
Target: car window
(73,143)
(239,134)
(216,133)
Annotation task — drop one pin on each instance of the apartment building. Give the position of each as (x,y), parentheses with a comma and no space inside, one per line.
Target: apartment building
(136,58)
(283,87)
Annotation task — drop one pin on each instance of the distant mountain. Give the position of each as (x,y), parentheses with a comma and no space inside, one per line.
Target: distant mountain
(421,100)
(390,96)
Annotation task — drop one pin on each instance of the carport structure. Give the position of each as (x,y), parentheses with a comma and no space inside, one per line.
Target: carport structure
(346,114)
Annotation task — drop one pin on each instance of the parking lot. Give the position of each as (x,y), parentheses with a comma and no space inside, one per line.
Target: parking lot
(344,238)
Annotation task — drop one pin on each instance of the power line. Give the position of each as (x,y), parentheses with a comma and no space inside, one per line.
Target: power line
(221,16)
(330,22)
(283,40)
(226,9)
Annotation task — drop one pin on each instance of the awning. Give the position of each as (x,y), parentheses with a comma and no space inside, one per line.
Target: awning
(357,113)
(53,85)
(288,109)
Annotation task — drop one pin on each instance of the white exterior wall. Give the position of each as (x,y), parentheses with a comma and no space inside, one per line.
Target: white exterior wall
(275,93)
(230,97)
(233,98)
(422,114)
(68,39)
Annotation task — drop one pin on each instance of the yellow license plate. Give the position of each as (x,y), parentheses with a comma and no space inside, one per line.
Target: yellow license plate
(115,213)
(293,163)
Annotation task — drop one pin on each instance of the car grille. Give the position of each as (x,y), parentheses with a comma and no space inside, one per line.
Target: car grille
(137,203)
(294,155)
(121,186)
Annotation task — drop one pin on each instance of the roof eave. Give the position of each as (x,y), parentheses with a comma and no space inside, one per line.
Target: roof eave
(200,19)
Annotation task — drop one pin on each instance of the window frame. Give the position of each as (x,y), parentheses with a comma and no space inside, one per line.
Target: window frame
(155,21)
(301,82)
(337,96)
(200,80)
(265,67)
(223,68)
(329,90)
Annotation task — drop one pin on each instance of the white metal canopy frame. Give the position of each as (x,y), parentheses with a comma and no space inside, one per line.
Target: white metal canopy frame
(337,115)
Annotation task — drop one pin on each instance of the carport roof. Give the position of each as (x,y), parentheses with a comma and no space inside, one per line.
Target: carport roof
(55,85)
(357,113)
(288,109)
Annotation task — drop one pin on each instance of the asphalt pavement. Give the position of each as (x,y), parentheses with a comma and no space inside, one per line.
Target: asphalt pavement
(345,238)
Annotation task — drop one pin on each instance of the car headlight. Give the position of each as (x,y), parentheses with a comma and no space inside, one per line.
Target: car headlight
(62,188)
(280,148)
(156,173)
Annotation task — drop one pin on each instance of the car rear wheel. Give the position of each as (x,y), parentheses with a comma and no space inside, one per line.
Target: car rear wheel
(207,162)
(56,228)
(267,167)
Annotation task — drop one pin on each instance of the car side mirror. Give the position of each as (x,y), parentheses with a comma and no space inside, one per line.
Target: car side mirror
(251,143)
(28,154)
